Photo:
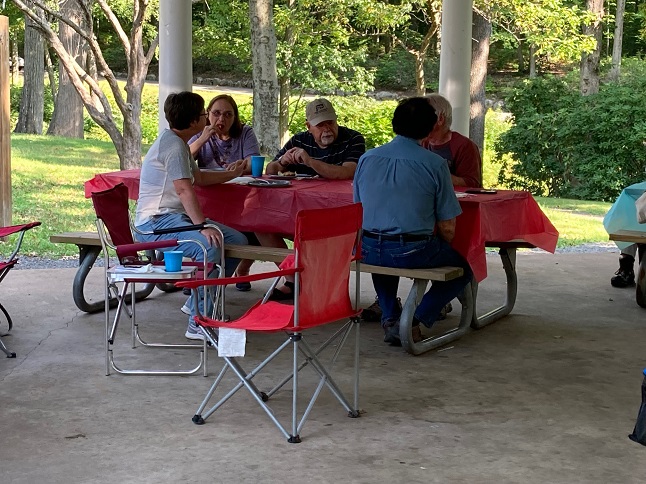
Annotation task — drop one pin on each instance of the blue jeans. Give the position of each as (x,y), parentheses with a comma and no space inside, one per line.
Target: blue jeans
(423,254)
(191,250)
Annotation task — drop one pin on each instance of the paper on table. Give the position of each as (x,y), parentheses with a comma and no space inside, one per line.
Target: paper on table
(138,269)
(241,180)
(231,342)
(462,194)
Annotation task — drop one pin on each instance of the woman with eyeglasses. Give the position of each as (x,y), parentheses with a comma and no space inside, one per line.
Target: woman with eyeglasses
(224,144)
(225,141)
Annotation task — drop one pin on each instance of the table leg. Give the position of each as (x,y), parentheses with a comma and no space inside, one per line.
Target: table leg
(508,258)
(640,291)
(408,310)
(87,256)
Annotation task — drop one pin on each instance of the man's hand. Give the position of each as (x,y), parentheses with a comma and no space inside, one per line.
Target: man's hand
(302,157)
(212,236)
(290,158)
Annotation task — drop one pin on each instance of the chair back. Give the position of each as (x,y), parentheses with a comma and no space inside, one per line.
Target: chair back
(111,207)
(325,242)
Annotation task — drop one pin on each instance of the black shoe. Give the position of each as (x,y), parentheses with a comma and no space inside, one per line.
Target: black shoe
(372,314)
(391,332)
(243,286)
(445,310)
(278,295)
(623,278)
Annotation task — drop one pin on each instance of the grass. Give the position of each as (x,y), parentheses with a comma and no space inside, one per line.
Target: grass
(48,174)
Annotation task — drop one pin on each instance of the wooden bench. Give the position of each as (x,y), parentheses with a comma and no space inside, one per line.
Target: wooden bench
(90,247)
(639,238)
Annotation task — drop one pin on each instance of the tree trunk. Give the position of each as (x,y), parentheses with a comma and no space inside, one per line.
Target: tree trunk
(617,41)
(589,82)
(50,73)
(67,119)
(15,65)
(520,58)
(532,61)
(265,80)
(30,117)
(420,82)
(284,83)
(481,35)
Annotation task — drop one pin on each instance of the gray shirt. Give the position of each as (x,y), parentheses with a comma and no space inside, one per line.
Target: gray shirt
(167,160)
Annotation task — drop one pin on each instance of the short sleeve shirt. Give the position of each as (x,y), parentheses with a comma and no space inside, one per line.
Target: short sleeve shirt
(348,146)
(217,153)
(167,160)
(463,158)
(404,189)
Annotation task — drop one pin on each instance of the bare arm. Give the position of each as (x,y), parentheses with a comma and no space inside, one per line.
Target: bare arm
(446,229)
(300,156)
(199,142)
(458,181)
(187,196)
(204,178)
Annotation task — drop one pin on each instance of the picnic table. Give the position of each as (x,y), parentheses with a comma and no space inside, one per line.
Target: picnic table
(507,220)
(504,217)
(623,228)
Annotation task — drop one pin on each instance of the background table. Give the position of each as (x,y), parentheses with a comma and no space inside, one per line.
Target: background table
(501,217)
(623,214)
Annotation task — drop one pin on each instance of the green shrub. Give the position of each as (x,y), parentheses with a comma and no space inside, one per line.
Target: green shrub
(567,145)
(370,117)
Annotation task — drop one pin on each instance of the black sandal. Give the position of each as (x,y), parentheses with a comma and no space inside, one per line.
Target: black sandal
(278,295)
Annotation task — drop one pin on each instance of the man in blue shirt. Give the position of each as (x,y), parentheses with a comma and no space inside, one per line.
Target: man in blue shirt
(409,211)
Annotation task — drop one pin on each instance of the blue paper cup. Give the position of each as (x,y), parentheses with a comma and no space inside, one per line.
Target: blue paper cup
(257,166)
(173,260)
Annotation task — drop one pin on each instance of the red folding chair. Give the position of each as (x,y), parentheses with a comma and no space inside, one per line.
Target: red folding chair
(7,265)
(325,243)
(113,214)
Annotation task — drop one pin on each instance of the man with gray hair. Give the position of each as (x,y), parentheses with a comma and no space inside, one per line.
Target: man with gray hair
(325,149)
(460,152)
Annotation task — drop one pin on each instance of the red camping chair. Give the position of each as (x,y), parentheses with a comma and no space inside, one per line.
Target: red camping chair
(7,265)
(112,211)
(325,243)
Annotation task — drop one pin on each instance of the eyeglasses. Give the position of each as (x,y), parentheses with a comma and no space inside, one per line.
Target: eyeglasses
(224,114)
(205,115)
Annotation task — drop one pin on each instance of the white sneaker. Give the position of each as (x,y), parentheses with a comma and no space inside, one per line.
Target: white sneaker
(198,335)
(186,309)
(193,332)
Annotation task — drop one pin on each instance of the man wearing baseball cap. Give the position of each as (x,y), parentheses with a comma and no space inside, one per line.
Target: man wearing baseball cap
(325,149)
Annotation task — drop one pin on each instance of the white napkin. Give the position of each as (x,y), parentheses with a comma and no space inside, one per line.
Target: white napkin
(241,180)
(137,269)
(231,342)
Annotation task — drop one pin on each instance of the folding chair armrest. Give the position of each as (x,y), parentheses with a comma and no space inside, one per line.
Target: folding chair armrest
(13,229)
(223,281)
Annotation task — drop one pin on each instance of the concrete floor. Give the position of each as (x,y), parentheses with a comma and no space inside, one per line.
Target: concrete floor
(547,394)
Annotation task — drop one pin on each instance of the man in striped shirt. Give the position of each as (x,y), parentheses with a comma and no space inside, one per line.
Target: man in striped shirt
(325,149)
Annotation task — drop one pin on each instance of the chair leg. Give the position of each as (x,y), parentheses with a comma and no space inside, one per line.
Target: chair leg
(3,348)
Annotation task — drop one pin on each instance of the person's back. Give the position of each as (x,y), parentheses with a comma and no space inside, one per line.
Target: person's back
(408,184)
(409,210)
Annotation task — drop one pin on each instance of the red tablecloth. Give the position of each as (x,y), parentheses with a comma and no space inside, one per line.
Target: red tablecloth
(501,217)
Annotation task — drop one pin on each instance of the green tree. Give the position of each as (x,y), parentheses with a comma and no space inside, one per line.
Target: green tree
(138,53)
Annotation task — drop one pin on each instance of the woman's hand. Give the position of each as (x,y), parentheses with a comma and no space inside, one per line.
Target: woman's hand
(237,167)
(207,132)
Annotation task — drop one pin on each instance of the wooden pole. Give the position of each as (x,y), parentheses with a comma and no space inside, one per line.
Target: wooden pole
(5,128)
